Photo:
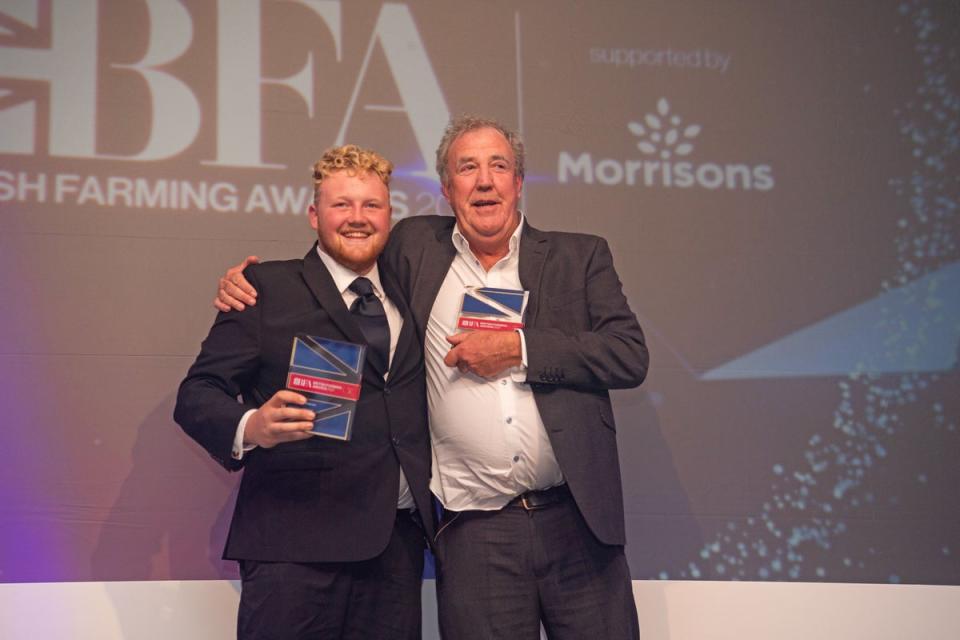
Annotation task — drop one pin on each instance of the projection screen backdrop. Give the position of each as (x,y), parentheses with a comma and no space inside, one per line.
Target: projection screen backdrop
(778,182)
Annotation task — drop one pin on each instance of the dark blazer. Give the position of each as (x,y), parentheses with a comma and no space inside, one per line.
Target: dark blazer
(582,340)
(315,500)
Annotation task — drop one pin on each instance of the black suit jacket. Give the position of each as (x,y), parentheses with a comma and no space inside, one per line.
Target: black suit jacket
(315,500)
(582,340)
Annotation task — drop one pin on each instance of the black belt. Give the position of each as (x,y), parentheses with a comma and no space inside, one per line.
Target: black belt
(532,500)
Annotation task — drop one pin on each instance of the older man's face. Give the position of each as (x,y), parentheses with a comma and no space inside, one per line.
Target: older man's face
(482,187)
(352,218)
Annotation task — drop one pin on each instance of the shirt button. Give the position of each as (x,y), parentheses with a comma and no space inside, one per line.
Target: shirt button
(516,458)
(503,382)
(509,420)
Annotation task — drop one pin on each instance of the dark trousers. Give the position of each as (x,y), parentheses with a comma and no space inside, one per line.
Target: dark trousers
(377,599)
(502,573)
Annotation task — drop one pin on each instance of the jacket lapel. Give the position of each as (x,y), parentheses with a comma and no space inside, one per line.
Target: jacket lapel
(533,254)
(407,331)
(321,285)
(434,261)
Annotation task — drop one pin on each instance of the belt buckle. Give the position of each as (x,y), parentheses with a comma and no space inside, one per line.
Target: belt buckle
(534,504)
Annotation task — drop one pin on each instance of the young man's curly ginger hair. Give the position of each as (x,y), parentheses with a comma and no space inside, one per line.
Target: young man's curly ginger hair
(352,159)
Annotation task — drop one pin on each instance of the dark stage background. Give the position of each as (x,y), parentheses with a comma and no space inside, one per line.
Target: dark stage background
(778,182)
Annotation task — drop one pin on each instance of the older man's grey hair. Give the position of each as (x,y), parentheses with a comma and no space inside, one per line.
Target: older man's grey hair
(463,124)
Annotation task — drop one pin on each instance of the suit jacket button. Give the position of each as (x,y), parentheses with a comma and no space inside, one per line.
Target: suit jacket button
(386,391)
(396,440)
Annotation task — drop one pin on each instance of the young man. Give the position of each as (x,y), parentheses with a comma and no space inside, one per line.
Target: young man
(329,534)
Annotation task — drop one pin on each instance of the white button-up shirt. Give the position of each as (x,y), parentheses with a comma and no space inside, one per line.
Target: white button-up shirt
(489,443)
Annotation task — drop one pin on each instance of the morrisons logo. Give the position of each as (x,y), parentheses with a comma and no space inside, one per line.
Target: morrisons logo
(666,160)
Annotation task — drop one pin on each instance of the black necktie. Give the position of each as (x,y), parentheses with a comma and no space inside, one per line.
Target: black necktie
(369,314)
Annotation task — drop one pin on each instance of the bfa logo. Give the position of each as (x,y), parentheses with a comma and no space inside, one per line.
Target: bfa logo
(71,66)
(666,142)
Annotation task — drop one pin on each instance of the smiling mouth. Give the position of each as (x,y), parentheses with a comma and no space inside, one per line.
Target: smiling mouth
(479,204)
(356,235)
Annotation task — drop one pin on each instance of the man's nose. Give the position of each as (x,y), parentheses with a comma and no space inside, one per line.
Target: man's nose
(484,179)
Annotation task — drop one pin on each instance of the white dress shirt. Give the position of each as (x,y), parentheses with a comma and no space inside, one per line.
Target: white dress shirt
(489,443)
(342,278)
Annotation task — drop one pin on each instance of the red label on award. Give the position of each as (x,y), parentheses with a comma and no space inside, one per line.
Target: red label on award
(491,309)
(477,324)
(327,387)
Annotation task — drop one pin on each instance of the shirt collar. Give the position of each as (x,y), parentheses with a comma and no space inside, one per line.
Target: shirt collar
(344,276)
(462,246)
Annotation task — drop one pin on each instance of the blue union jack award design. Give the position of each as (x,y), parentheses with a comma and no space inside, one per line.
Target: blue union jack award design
(492,309)
(328,373)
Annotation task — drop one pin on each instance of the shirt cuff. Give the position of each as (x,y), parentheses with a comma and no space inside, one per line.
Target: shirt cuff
(523,348)
(519,374)
(238,447)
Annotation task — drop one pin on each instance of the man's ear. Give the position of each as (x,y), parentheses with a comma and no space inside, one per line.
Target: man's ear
(313,215)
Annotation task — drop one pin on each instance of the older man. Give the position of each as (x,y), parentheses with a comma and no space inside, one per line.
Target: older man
(325,531)
(524,440)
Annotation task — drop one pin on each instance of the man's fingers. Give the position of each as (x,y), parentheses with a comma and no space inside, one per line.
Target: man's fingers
(225,301)
(231,288)
(280,419)
(239,286)
(292,414)
(221,306)
(452,358)
(287,397)
(457,338)
(235,292)
(235,275)
(286,428)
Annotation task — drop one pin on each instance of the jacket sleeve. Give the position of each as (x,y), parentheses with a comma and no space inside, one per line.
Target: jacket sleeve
(210,400)
(396,255)
(588,337)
